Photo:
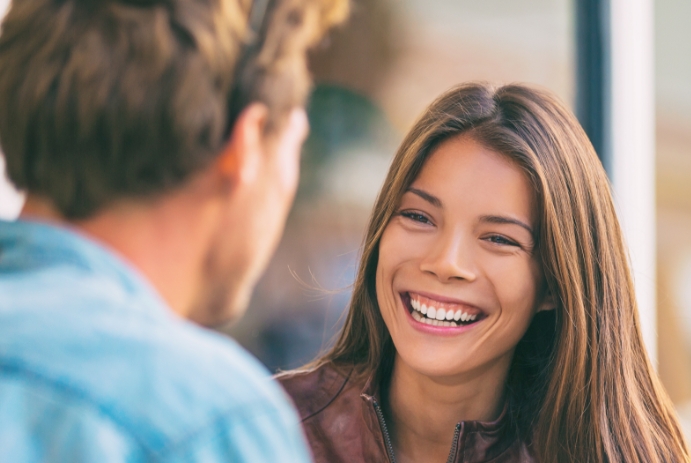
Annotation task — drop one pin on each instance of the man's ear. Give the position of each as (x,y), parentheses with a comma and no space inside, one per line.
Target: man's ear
(548,302)
(240,157)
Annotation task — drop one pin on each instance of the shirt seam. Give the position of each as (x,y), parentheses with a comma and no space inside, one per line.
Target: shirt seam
(18,368)
(215,424)
(211,428)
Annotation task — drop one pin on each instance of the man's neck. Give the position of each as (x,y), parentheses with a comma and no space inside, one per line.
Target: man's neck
(165,240)
(424,410)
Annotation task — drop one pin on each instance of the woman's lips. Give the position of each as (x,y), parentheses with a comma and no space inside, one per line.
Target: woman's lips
(439,311)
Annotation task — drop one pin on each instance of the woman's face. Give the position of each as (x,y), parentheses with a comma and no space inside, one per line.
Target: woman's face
(458,281)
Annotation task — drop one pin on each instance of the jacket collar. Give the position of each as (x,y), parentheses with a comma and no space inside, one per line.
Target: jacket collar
(474,441)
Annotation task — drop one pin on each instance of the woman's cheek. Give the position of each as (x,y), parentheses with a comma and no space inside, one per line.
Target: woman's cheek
(388,261)
(516,287)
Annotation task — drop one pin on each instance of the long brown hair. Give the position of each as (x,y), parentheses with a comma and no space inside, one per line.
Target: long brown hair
(581,387)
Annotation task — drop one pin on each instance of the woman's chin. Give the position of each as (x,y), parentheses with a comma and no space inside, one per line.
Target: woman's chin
(437,366)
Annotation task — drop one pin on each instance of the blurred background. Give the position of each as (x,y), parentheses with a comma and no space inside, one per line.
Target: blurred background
(376,74)
(373,78)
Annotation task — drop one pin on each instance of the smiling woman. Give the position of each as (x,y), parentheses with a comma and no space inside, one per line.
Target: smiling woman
(458,277)
(493,317)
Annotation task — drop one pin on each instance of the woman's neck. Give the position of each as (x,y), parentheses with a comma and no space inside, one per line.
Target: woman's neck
(423,411)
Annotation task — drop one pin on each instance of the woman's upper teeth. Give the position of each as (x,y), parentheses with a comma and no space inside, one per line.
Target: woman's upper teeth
(440,313)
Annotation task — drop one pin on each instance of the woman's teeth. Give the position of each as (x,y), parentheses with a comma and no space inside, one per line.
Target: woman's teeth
(439,316)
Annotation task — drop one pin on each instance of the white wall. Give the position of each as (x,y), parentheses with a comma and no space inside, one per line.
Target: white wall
(10,199)
(632,146)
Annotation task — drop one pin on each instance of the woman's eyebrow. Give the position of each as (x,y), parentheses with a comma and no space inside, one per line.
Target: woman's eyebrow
(433,200)
(500,219)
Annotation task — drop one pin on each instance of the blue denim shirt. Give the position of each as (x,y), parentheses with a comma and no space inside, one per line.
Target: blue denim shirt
(94,367)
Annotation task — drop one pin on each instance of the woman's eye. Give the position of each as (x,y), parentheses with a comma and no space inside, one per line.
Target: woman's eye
(415,216)
(498,239)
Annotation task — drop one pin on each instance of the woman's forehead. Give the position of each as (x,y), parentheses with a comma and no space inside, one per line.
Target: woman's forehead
(462,173)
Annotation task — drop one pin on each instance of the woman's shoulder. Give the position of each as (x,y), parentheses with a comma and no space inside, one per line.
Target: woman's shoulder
(314,389)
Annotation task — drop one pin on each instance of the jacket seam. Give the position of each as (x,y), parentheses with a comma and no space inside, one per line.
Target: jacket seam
(330,400)
(502,452)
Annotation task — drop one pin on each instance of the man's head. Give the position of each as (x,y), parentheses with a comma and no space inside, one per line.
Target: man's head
(110,102)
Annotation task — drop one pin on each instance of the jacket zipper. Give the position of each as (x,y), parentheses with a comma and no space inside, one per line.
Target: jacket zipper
(454,444)
(385,431)
(387,437)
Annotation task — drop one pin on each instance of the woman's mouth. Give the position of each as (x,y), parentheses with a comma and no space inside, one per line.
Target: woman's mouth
(433,312)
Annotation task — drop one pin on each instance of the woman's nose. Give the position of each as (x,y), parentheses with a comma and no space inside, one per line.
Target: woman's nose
(450,260)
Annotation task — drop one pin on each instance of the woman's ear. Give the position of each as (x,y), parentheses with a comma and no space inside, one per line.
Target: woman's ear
(548,302)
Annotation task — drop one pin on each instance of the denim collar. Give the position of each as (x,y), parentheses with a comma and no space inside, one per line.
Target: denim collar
(28,245)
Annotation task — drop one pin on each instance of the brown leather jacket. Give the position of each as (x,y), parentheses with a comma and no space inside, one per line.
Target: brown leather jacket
(344,423)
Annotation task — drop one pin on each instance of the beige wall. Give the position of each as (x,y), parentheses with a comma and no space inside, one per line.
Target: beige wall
(673,89)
